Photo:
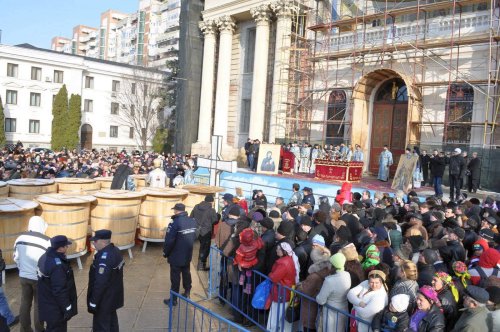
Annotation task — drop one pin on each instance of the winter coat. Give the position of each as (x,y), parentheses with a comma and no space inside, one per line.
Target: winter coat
(224,233)
(432,322)
(311,287)
(283,273)
(438,165)
(205,217)
(179,240)
(472,320)
(457,166)
(303,252)
(375,302)
(449,306)
(408,287)
(309,199)
(390,321)
(334,293)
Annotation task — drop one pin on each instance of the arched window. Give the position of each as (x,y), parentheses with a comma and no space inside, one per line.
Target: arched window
(459,105)
(335,122)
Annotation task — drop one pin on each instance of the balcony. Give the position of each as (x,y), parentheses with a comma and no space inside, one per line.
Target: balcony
(436,32)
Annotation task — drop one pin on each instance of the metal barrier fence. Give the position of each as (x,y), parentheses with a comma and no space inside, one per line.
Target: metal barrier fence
(190,316)
(236,288)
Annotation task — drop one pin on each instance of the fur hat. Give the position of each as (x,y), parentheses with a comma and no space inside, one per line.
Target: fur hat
(350,252)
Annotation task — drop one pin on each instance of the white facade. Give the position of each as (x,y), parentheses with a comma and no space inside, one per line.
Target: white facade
(35,83)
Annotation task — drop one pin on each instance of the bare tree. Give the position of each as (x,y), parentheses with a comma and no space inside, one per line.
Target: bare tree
(142,100)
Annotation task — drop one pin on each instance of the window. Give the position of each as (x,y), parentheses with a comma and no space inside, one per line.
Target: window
(36,73)
(113,131)
(114,108)
(35,99)
(250,51)
(115,87)
(10,125)
(89,82)
(88,105)
(133,88)
(335,117)
(11,97)
(12,70)
(132,110)
(245,115)
(131,132)
(58,76)
(459,107)
(34,126)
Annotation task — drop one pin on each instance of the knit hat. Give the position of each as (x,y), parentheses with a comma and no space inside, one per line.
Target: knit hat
(430,294)
(478,294)
(209,198)
(257,216)
(350,252)
(318,240)
(267,223)
(234,211)
(228,197)
(400,302)
(338,261)
(381,233)
(489,258)
(285,228)
(274,213)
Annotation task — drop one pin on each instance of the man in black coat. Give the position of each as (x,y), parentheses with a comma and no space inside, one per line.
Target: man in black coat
(437,165)
(456,168)
(57,299)
(105,292)
(474,173)
(205,216)
(178,249)
(425,160)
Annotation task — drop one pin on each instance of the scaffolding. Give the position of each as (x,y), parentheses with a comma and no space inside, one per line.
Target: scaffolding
(342,40)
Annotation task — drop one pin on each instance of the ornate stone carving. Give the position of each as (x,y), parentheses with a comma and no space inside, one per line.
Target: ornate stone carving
(261,13)
(284,8)
(208,27)
(226,23)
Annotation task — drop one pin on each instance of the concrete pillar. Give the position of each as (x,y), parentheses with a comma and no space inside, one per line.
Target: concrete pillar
(226,28)
(207,82)
(283,10)
(262,16)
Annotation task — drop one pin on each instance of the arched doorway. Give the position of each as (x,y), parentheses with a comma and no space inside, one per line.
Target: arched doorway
(389,121)
(86,137)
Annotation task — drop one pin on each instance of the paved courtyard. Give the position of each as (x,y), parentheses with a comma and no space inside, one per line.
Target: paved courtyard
(147,282)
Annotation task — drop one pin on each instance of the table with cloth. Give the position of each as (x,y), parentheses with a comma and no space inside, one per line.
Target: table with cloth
(345,171)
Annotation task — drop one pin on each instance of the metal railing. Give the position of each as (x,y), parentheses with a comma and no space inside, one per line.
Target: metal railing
(190,316)
(236,288)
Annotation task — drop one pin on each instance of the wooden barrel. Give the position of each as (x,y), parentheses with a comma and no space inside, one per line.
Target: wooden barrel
(30,188)
(117,210)
(156,212)
(197,194)
(76,185)
(67,215)
(14,218)
(4,189)
(140,181)
(105,182)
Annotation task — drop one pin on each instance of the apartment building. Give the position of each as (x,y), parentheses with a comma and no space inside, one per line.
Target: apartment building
(30,78)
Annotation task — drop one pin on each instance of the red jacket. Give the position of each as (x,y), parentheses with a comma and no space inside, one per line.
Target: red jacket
(282,272)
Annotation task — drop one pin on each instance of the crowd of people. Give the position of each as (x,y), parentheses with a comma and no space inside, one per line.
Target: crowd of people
(400,263)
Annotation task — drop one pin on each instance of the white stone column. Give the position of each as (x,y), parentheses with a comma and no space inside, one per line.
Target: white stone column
(207,81)
(262,16)
(226,27)
(283,10)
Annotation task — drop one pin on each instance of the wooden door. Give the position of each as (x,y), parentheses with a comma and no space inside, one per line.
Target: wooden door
(388,128)
(86,137)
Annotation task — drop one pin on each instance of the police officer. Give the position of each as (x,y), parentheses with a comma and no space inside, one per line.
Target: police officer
(178,249)
(105,291)
(57,301)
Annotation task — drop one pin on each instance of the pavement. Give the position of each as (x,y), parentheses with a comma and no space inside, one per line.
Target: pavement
(147,283)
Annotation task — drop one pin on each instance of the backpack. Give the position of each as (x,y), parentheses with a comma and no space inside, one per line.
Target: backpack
(485,281)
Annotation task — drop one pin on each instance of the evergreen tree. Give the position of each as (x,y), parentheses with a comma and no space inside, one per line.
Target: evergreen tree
(159,140)
(74,120)
(59,113)
(2,125)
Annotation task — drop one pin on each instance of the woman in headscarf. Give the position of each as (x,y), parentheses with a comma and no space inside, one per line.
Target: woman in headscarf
(369,298)
(284,272)
(428,316)
(461,279)
(448,296)
(334,293)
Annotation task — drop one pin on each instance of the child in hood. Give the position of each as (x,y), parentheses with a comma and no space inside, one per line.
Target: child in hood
(246,257)
(394,317)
